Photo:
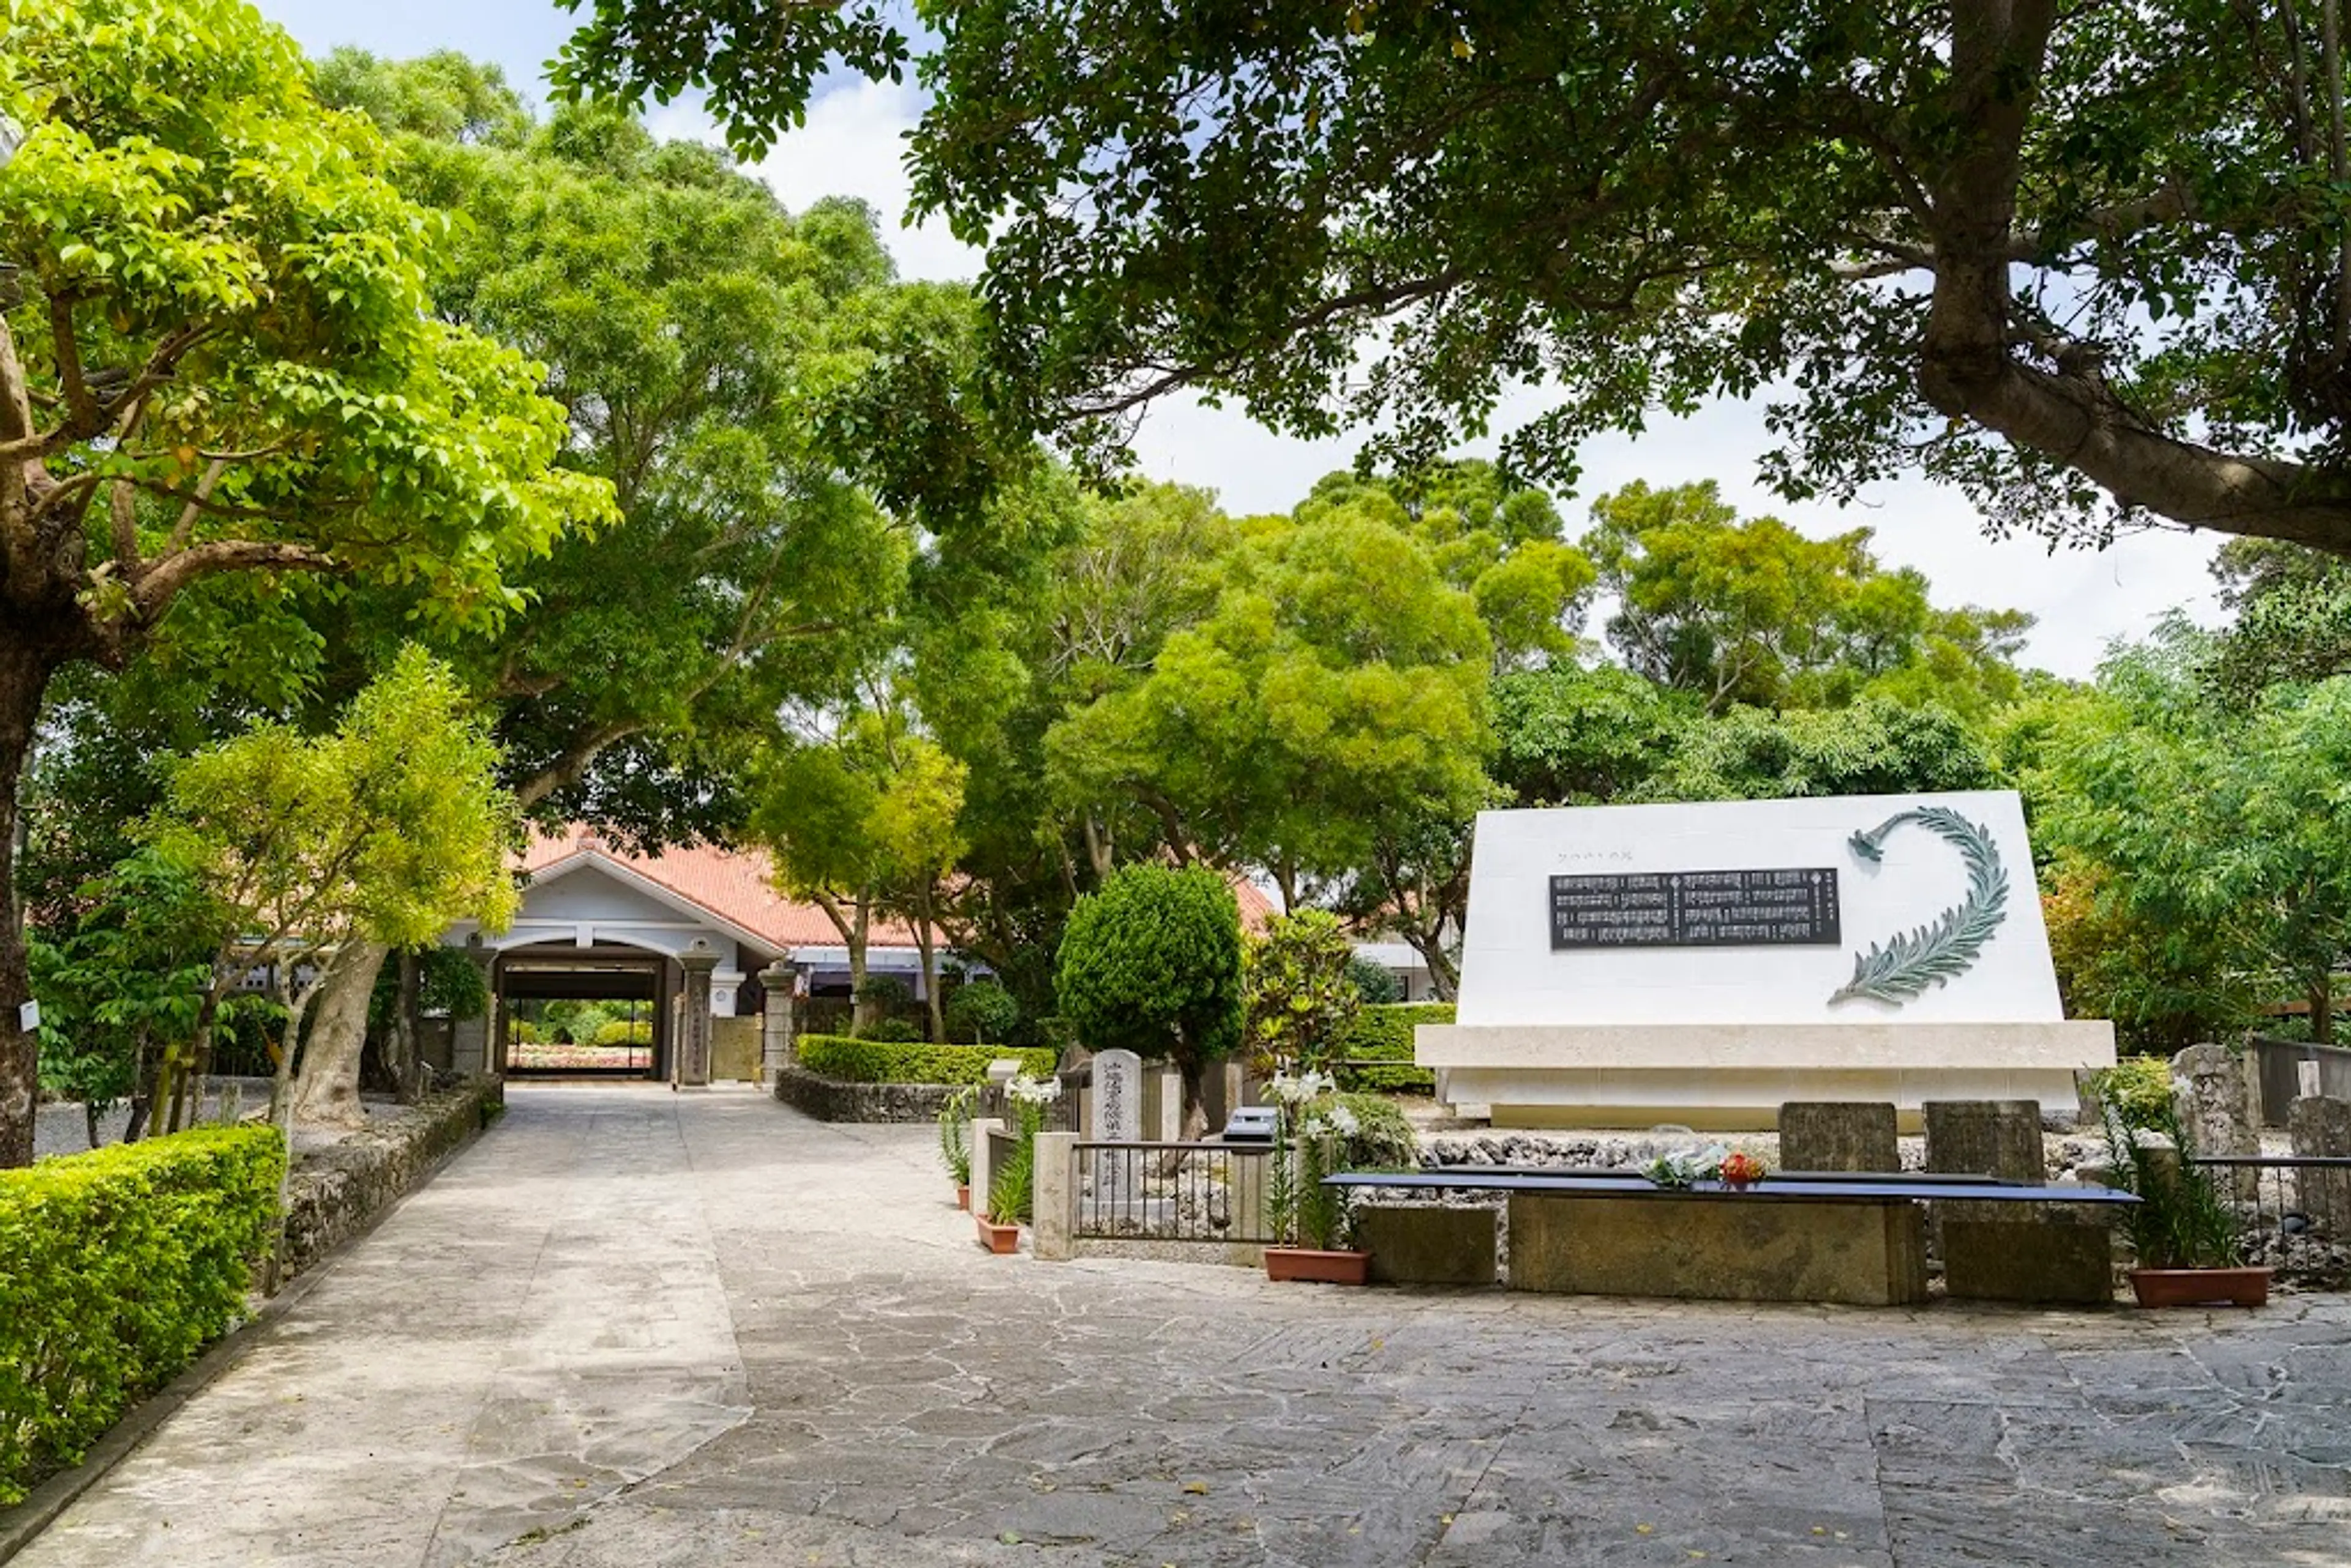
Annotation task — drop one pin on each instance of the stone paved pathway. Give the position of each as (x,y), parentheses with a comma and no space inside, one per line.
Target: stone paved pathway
(636,1329)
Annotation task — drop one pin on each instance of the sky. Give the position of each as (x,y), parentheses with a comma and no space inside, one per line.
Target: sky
(850,146)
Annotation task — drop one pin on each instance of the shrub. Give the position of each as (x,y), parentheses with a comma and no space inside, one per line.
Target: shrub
(982,1011)
(122,1264)
(1300,996)
(2137,1089)
(848,1060)
(1374,1054)
(2181,1220)
(1375,982)
(1383,1139)
(891,1032)
(620,1031)
(1152,964)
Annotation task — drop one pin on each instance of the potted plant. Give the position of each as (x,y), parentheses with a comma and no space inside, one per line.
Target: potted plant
(1311,1218)
(955,1141)
(1011,1189)
(2189,1250)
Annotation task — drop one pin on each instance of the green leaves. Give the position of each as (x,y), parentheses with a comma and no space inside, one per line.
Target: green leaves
(224,314)
(1392,219)
(2199,842)
(391,828)
(1152,964)
(1301,995)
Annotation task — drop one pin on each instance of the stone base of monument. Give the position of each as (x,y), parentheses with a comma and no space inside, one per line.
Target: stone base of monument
(2047,1262)
(1427,1244)
(1735,1077)
(1716,1247)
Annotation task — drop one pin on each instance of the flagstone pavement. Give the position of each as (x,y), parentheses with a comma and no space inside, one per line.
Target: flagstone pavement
(636,1328)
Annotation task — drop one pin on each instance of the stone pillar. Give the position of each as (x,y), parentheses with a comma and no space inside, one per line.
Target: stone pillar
(1838,1135)
(2217,1110)
(982,1154)
(1170,1127)
(1053,1225)
(690,1063)
(1117,1095)
(1996,1138)
(2321,1128)
(2005,1251)
(779,982)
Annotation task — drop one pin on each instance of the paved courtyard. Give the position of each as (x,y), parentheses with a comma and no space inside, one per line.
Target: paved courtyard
(632,1328)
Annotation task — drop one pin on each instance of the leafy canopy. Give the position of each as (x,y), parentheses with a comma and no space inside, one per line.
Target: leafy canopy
(218,321)
(2218,832)
(703,341)
(389,828)
(2084,261)
(1755,612)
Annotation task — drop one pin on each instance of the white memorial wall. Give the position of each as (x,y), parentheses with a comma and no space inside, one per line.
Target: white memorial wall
(1703,963)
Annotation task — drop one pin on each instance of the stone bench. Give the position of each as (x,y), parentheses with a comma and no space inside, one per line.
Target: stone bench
(1852,1238)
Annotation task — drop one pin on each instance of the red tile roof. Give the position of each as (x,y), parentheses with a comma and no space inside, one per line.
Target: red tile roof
(737,885)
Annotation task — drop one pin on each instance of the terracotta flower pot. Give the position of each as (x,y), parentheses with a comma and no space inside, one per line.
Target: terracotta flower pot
(2200,1287)
(963,1196)
(1312,1264)
(996,1238)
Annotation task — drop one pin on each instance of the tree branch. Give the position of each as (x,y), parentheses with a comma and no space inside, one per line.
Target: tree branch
(121,510)
(184,529)
(566,770)
(83,418)
(153,586)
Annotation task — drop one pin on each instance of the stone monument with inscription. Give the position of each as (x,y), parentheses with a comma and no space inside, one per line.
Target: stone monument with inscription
(1627,966)
(1117,1119)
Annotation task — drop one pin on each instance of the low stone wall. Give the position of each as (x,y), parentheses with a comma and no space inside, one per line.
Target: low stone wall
(337,1192)
(830,1100)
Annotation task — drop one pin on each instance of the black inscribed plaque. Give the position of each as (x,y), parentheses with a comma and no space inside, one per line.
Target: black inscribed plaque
(1696,909)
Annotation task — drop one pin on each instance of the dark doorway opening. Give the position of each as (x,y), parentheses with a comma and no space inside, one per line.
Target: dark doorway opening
(581,1013)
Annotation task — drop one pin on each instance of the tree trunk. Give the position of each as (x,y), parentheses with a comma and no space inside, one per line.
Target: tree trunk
(1194,1072)
(24,671)
(328,1089)
(406,1069)
(861,1011)
(926,942)
(1444,975)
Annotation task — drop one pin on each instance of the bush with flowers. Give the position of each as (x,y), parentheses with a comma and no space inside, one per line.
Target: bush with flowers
(1312,1130)
(1012,1190)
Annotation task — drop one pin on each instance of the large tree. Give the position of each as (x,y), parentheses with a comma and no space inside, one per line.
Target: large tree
(1756,612)
(217,355)
(2062,256)
(2220,829)
(703,341)
(1337,680)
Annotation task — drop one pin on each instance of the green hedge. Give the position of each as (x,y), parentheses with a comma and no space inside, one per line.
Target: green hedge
(1383,1035)
(122,1263)
(847,1061)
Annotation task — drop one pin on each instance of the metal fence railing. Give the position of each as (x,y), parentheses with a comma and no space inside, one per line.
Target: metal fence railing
(2294,1212)
(1173,1192)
